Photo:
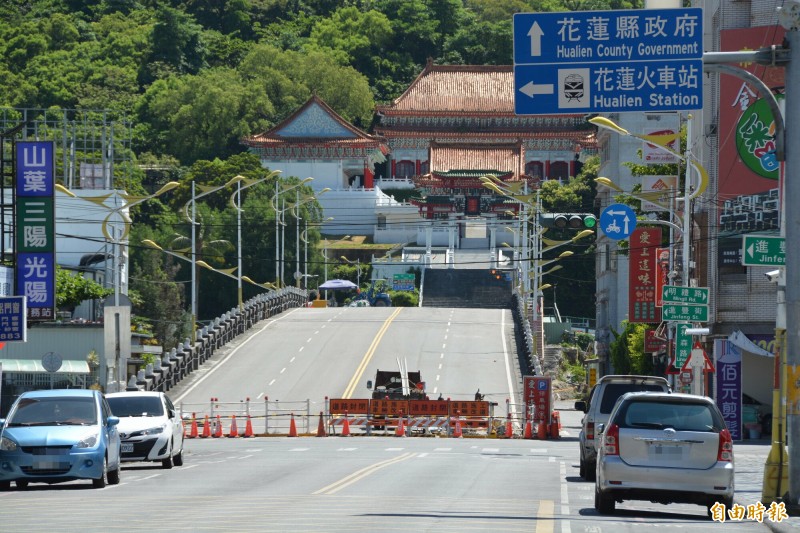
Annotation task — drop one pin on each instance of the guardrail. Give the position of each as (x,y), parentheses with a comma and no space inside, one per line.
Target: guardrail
(184,359)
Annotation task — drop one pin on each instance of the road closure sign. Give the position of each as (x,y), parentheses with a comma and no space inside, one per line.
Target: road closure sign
(608,61)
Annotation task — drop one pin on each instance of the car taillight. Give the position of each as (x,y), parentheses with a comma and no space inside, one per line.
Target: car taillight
(725,452)
(590,430)
(611,440)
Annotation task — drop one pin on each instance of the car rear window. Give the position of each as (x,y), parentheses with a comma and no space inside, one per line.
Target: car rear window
(682,416)
(136,406)
(613,391)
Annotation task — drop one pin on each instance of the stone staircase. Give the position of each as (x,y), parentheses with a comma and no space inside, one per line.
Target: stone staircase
(477,288)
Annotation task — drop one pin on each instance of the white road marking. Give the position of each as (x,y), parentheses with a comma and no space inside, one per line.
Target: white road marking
(260,394)
(346,449)
(316,332)
(292,360)
(444,346)
(422,454)
(490,450)
(395,449)
(283,370)
(437,377)
(442,449)
(309,340)
(538,450)
(301,349)
(440,366)
(551,459)
(565,525)
(298,450)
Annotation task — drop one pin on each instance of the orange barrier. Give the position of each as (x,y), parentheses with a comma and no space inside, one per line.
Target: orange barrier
(509,427)
(193,431)
(234,430)
(401,429)
(248,428)
(206,429)
(555,425)
(321,426)
(218,430)
(292,427)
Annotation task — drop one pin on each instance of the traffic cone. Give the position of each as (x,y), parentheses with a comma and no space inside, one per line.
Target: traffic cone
(509,428)
(234,430)
(206,429)
(401,428)
(457,433)
(528,430)
(218,430)
(541,430)
(248,428)
(292,427)
(193,430)
(321,427)
(345,426)
(554,426)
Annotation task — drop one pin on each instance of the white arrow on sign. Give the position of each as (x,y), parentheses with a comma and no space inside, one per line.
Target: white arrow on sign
(535,33)
(626,220)
(615,213)
(531,89)
(750,250)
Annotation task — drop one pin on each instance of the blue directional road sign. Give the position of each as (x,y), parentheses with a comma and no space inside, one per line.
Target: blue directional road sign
(608,61)
(618,221)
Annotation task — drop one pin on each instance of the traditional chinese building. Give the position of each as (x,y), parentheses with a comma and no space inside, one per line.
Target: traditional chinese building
(456,123)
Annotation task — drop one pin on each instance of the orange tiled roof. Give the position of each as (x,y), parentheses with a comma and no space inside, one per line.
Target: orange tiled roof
(457,89)
(506,158)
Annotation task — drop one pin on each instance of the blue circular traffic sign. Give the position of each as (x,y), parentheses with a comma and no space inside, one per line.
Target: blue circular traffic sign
(617,221)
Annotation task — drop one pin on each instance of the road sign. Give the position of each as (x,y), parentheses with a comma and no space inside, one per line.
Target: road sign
(683,345)
(608,61)
(617,221)
(13,323)
(763,250)
(671,294)
(684,313)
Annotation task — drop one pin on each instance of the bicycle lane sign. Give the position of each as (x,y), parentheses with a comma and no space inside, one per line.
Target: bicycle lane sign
(617,221)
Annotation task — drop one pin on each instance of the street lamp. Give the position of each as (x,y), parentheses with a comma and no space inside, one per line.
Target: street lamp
(304,238)
(121,319)
(238,206)
(206,190)
(357,263)
(279,248)
(297,204)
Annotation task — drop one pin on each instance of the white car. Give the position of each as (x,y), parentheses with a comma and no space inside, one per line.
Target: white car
(150,427)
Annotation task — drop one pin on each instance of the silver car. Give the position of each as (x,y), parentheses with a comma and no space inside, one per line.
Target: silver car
(664,448)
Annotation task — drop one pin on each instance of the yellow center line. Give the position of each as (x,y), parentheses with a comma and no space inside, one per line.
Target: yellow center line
(333,488)
(544,518)
(351,387)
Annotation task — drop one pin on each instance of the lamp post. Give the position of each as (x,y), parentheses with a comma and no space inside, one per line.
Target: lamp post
(357,263)
(238,206)
(206,190)
(280,247)
(296,208)
(117,320)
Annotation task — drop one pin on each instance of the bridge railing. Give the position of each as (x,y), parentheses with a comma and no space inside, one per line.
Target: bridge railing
(187,357)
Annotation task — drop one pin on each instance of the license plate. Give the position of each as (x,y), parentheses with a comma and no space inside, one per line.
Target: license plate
(127,447)
(667,450)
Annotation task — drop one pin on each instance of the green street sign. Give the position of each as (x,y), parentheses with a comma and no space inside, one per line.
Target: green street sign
(683,345)
(763,250)
(671,294)
(684,313)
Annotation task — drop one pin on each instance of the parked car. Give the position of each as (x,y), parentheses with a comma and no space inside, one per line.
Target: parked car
(151,428)
(664,448)
(52,436)
(601,401)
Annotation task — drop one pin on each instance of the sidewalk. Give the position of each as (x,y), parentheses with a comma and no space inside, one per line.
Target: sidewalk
(749,455)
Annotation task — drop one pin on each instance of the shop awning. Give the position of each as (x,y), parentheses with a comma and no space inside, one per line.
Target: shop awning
(68,366)
(740,339)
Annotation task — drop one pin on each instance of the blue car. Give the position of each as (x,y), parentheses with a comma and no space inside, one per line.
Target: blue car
(52,436)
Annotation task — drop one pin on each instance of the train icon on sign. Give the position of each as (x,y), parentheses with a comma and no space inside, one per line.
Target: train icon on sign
(573,87)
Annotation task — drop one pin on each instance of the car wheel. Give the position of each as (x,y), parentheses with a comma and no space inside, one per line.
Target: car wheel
(100,482)
(178,459)
(603,503)
(113,476)
(167,463)
(21,483)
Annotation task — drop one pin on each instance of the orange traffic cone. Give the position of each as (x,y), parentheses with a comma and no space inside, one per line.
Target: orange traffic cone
(292,427)
(555,425)
(401,428)
(321,427)
(509,428)
(234,430)
(541,430)
(193,430)
(528,430)
(457,433)
(218,430)
(345,426)
(248,428)
(206,429)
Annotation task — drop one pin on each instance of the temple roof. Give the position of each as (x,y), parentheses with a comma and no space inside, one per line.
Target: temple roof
(476,157)
(315,123)
(457,90)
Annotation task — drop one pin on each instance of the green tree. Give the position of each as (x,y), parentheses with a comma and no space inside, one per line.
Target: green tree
(72,289)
